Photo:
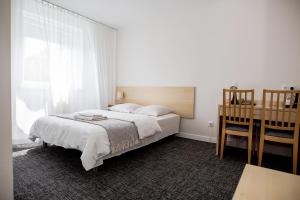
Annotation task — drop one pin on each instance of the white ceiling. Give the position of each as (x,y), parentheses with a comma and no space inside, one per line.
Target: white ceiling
(122,13)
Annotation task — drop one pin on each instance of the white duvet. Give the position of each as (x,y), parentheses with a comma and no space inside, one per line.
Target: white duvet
(91,139)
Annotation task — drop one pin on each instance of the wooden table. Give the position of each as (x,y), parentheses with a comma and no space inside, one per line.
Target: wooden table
(266,184)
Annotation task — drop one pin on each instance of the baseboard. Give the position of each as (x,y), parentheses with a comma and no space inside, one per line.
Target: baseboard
(196,137)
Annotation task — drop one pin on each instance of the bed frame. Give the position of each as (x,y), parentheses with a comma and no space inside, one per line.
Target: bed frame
(179,99)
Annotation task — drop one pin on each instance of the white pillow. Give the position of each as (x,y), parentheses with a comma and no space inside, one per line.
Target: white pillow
(125,107)
(153,110)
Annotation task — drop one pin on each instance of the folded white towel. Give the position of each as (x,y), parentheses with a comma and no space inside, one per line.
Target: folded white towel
(90,118)
(90,114)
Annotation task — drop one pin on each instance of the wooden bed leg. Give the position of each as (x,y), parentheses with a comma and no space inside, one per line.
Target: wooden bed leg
(45,145)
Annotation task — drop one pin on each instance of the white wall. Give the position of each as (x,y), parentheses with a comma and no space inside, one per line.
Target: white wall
(6,182)
(210,44)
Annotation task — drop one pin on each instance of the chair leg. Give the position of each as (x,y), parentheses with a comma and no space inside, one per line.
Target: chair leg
(257,145)
(225,142)
(222,144)
(295,156)
(249,148)
(254,139)
(260,150)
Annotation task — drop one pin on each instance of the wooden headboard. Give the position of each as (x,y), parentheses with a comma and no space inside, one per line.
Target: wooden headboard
(180,99)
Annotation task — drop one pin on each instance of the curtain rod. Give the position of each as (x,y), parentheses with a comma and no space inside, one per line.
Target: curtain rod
(79,14)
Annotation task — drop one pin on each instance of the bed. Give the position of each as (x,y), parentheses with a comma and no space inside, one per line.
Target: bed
(120,133)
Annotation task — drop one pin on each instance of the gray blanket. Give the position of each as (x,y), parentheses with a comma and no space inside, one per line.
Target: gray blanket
(121,134)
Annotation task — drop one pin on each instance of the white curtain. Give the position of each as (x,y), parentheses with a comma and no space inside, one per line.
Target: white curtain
(61,63)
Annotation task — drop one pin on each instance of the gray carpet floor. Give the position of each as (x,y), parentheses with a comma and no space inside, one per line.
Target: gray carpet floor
(174,168)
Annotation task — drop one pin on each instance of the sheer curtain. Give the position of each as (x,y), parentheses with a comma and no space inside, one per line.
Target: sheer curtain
(61,63)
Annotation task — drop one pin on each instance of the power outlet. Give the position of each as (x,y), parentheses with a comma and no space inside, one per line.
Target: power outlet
(211,124)
(287,87)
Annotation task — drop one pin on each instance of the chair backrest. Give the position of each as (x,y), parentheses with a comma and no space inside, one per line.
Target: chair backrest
(281,109)
(238,106)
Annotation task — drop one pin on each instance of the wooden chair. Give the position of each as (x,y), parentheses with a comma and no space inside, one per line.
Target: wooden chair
(280,123)
(237,116)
